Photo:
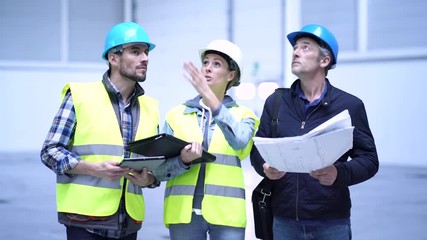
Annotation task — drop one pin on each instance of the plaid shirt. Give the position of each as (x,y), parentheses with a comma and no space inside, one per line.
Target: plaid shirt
(55,153)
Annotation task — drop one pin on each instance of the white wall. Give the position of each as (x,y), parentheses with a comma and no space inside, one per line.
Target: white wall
(392,90)
(179,29)
(393,93)
(28,104)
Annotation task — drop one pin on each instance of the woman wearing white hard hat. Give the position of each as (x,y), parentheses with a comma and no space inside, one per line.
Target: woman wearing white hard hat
(209,197)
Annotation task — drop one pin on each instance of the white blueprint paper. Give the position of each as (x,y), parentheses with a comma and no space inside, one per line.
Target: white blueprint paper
(319,148)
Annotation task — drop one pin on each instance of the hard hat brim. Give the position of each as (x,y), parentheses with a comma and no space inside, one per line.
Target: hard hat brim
(151,46)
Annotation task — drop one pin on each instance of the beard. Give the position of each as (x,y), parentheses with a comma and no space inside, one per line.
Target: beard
(131,74)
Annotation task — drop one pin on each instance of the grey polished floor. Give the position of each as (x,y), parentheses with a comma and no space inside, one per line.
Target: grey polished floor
(392,205)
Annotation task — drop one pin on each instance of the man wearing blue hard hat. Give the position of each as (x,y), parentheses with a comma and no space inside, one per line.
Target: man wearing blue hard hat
(314,205)
(96,198)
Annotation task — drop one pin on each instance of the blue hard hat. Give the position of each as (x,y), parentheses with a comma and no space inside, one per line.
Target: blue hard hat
(124,33)
(318,32)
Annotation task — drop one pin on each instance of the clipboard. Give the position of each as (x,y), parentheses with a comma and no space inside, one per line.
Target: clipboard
(138,163)
(165,145)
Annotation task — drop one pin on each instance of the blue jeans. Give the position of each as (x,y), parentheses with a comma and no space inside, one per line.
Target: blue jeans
(290,229)
(198,229)
(77,233)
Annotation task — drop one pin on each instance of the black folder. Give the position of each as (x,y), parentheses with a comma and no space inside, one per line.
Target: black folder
(165,145)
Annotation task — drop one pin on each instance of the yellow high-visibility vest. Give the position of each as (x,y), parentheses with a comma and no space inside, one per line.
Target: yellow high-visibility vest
(224,187)
(98,138)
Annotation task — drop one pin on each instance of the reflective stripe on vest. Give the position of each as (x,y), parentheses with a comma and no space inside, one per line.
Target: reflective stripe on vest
(224,196)
(224,191)
(99,149)
(98,138)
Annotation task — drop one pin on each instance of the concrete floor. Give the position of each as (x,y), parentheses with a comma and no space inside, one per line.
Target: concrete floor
(392,205)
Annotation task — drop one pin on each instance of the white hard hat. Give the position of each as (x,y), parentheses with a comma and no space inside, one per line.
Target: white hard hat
(228,48)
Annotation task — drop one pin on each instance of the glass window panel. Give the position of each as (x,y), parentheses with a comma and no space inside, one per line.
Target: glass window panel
(340,17)
(30,30)
(89,24)
(397,24)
